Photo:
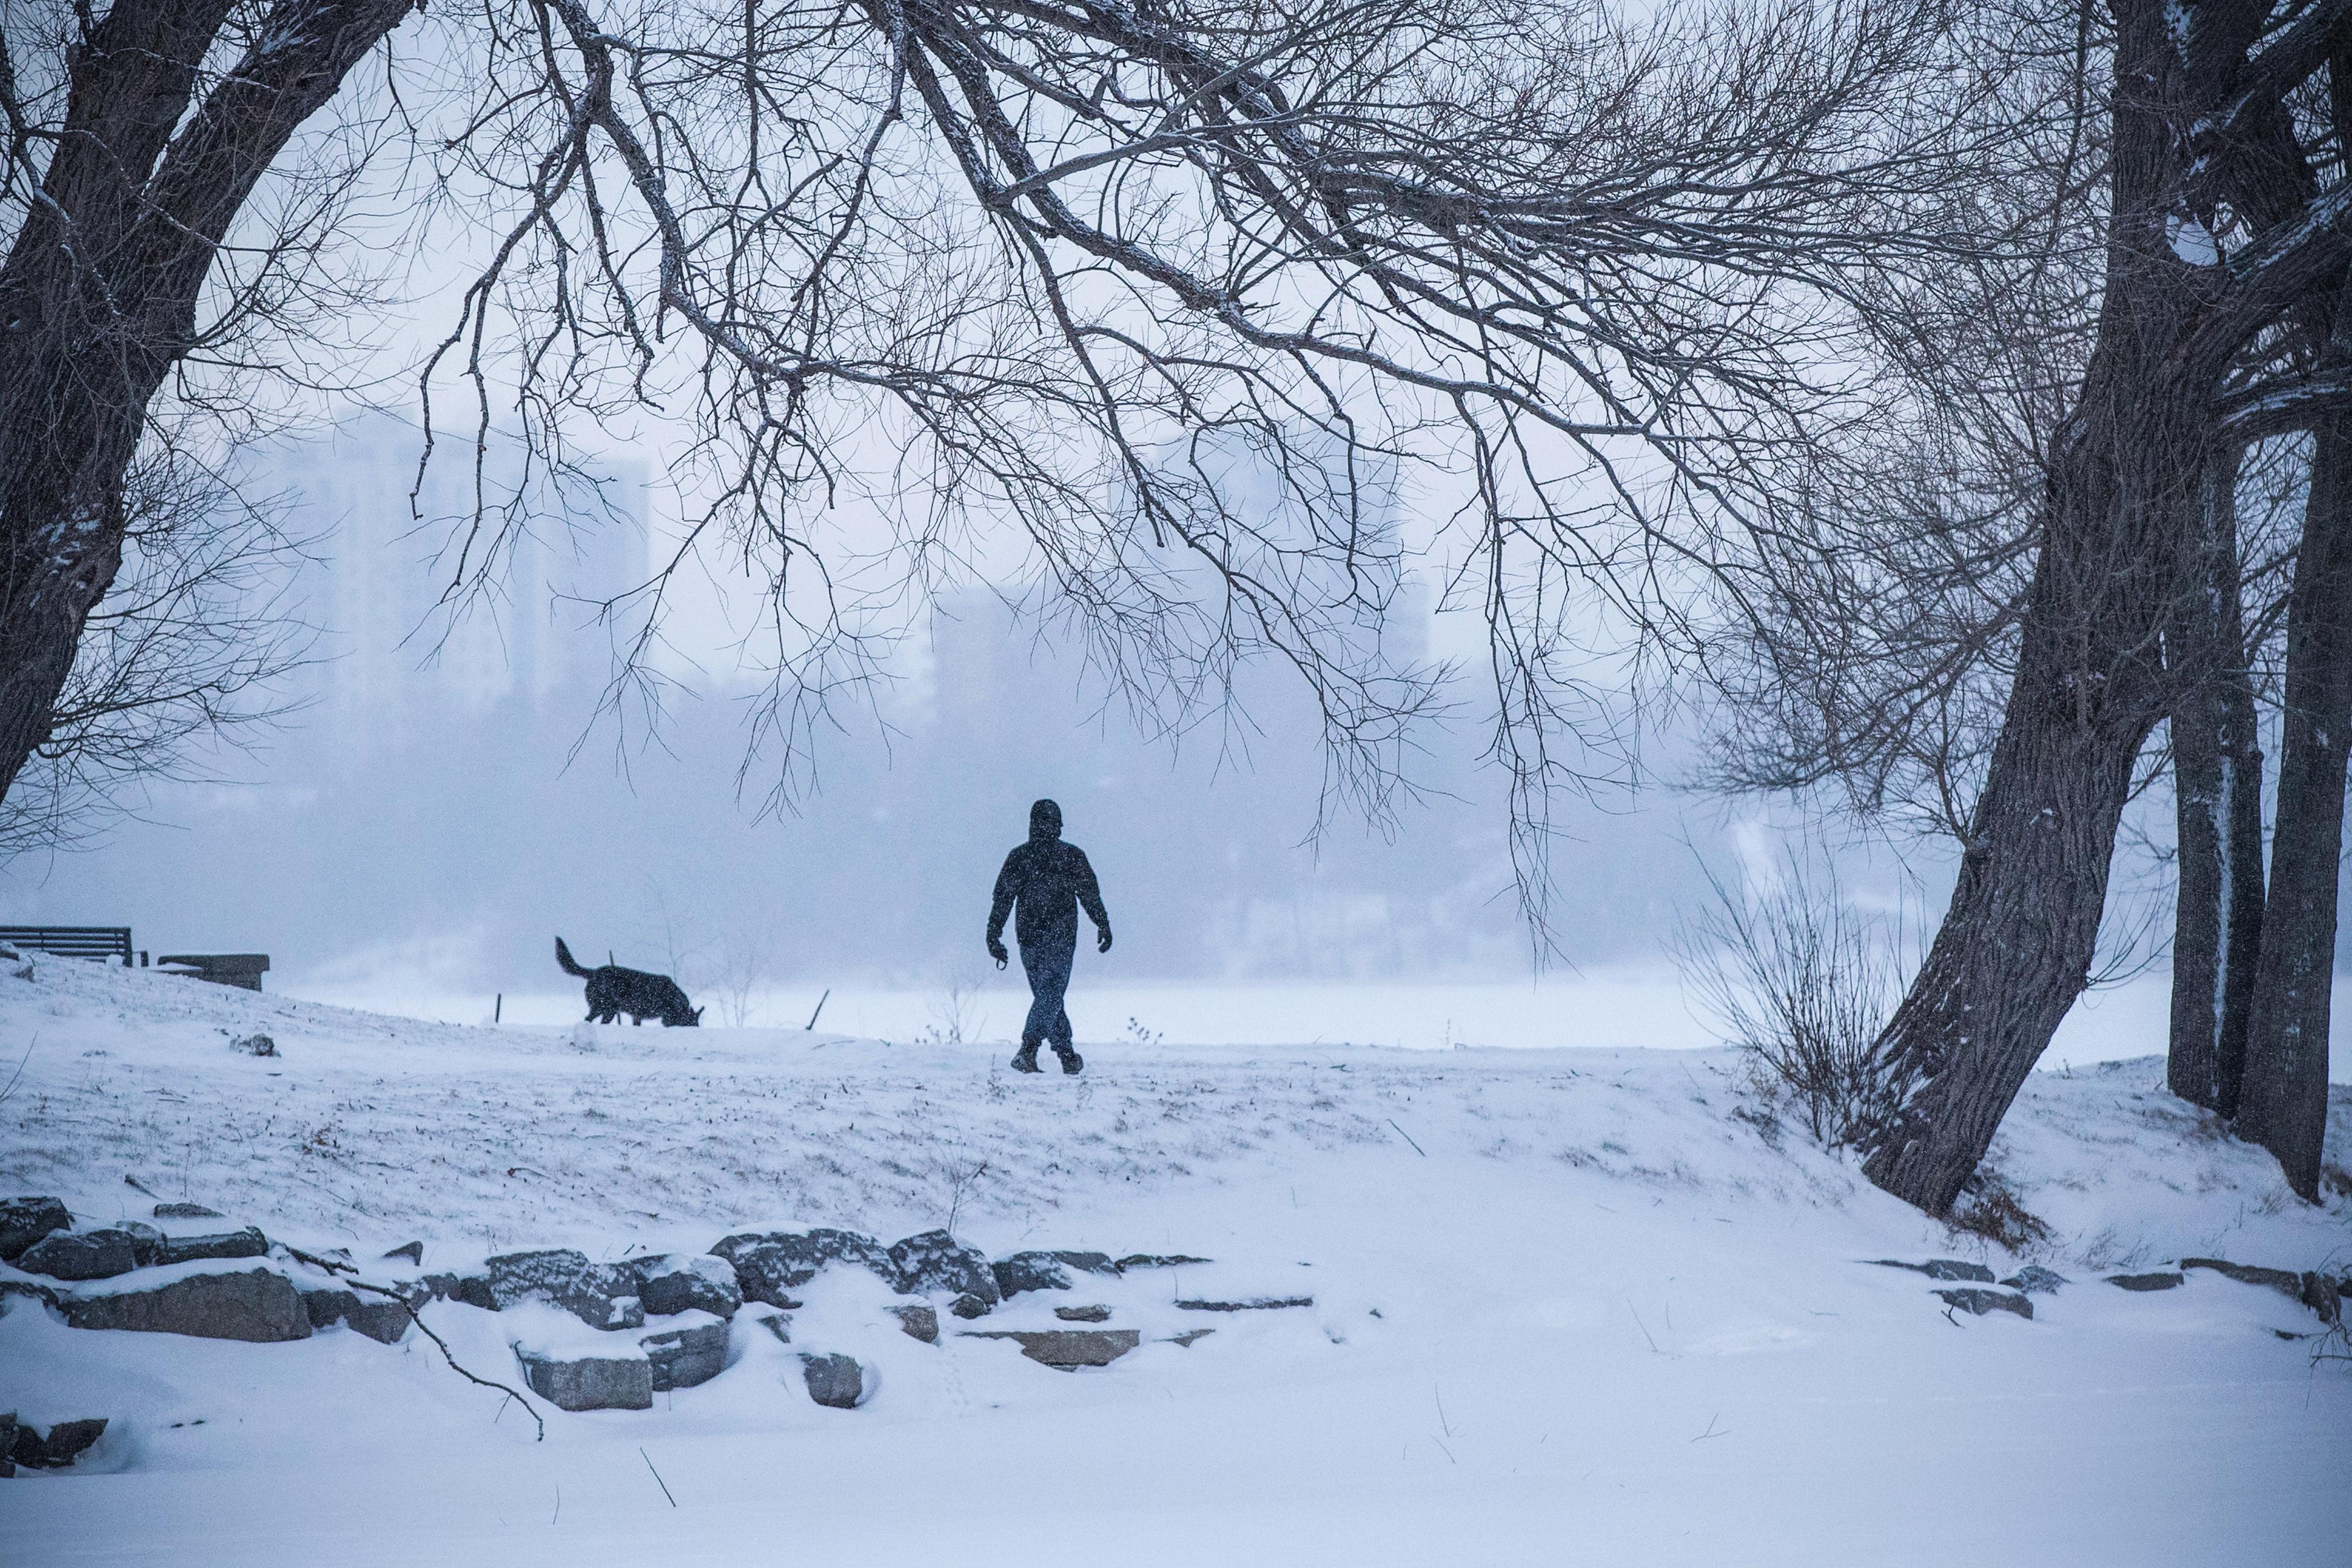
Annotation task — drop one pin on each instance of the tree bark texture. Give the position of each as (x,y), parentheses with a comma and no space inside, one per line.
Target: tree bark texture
(2017,943)
(98,295)
(2283,1104)
(2216,769)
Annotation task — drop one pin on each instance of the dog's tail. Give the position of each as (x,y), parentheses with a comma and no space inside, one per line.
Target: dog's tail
(563,957)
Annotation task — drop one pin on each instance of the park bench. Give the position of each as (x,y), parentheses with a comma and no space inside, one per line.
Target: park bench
(101,942)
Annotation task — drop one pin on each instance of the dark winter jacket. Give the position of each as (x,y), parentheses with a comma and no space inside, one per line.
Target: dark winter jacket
(1050,880)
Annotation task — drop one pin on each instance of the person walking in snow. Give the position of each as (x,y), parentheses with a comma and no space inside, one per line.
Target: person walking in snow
(1049,879)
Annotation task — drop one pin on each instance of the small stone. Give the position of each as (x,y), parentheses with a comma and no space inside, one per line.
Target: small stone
(779,1324)
(1940,1269)
(968,1307)
(2036,1280)
(25,1449)
(67,1440)
(589,1383)
(1254,1304)
(1067,1348)
(1983,1301)
(833,1381)
(1189,1335)
(687,1356)
(247,1243)
(1083,1314)
(254,1046)
(23,1221)
(934,1261)
(687,1282)
(383,1321)
(408,1252)
(2157,1281)
(85,1255)
(259,1306)
(919,1322)
(185,1211)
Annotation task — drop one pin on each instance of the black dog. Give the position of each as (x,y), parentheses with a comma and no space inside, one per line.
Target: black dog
(612,991)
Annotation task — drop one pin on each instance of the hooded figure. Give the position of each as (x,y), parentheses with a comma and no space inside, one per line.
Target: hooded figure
(1050,880)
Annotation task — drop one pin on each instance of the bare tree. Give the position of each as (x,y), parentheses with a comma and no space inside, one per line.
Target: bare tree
(2097,582)
(1186,300)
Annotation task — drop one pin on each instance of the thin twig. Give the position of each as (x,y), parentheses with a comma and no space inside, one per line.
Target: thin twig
(27,1057)
(648,1458)
(1408,1138)
(448,1355)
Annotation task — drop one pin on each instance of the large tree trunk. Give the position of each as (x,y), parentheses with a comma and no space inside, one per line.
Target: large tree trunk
(98,295)
(2216,769)
(2016,946)
(2283,1105)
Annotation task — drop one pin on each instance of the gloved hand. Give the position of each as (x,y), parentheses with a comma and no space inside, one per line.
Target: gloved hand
(996,950)
(1102,943)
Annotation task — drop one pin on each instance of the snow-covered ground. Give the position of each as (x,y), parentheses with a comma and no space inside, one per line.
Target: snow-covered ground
(1570,1306)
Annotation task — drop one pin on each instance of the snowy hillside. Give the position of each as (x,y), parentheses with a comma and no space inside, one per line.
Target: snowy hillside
(1566,1306)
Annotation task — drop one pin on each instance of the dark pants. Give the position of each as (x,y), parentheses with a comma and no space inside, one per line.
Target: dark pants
(1047,963)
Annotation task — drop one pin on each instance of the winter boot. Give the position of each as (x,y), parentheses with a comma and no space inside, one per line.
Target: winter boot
(1026,1061)
(1071,1060)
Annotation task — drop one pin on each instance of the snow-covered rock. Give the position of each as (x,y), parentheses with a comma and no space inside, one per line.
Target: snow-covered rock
(835,1381)
(247,1243)
(574,1367)
(80,1254)
(690,1349)
(1046,1270)
(603,1296)
(1067,1348)
(23,1221)
(933,1262)
(687,1281)
(770,1265)
(260,1305)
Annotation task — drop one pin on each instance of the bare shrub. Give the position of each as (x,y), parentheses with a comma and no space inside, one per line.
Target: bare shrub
(957,1016)
(1994,1213)
(1802,983)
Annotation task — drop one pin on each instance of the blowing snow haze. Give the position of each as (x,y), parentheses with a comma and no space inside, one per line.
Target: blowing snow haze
(449,796)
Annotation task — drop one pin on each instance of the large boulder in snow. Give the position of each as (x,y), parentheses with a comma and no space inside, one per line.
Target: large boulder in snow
(687,1282)
(24,1447)
(623,1380)
(1981,1301)
(934,1262)
(259,1305)
(23,1221)
(80,1254)
(185,1211)
(770,1265)
(836,1381)
(603,1296)
(688,1352)
(247,1243)
(1046,1270)
(1065,1348)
